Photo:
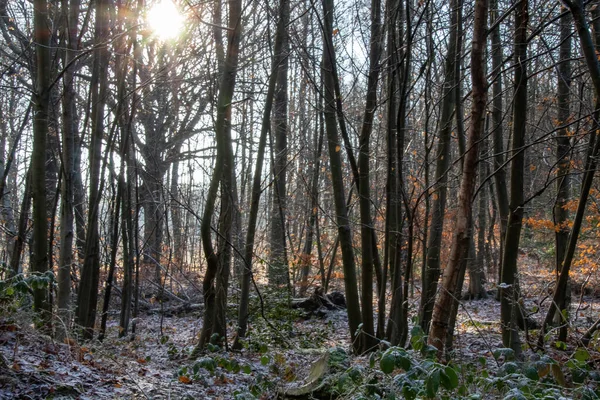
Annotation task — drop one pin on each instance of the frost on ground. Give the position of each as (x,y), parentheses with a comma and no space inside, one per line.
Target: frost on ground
(154,363)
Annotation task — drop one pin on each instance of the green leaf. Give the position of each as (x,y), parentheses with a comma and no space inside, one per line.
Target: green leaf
(402,361)
(164,339)
(372,360)
(579,375)
(432,383)
(560,345)
(509,368)
(207,363)
(387,363)
(264,360)
(246,369)
(452,376)
(581,355)
(10,291)
(507,353)
(531,372)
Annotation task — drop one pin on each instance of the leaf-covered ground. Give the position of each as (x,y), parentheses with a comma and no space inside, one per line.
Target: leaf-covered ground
(154,363)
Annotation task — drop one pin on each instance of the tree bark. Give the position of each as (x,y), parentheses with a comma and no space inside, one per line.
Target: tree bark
(432,271)
(90,273)
(41,117)
(364,188)
(461,238)
(216,278)
(563,148)
(589,51)
(509,293)
(279,274)
(497,127)
(337,178)
(65,261)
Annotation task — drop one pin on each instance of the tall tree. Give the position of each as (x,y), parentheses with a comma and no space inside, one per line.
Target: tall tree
(41,100)
(563,149)
(278,268)
(497,125)
(431,272)
(90,272)
(337,177)
(69,129)
(216,278)
(509,293)
(257,179)
(364,188)
(589,51)
(454,272)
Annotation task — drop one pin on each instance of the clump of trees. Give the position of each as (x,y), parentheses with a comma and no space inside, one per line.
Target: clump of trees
(373,146)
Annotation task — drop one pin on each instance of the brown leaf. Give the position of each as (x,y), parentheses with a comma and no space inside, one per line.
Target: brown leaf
(185,379)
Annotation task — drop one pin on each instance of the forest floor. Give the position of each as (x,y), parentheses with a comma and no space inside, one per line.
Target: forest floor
(154,363)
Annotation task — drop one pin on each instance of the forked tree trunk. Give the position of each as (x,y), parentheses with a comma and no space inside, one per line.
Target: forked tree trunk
(454,271)
(215,280)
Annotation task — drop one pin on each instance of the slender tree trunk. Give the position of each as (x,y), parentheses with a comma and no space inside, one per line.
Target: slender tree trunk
(215,293)
(461,239)
(432,268)
(41,99)
(15,261)
(589,51)
(65,261)
(314,213)
(476,262)
(563,148)
(337,178)
(498,136)
(90,273)
(364,192)
(279,274)
(509,294)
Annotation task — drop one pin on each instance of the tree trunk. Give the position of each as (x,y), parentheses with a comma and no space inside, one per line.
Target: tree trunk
(337,178)
(563,148)
(279,274)
(364,189)
(509,294)
(589,51)
(498,135)
(65,261)
(432,271)
(90,273)
(41,99)
(215,293)
(461,239)
(476,261)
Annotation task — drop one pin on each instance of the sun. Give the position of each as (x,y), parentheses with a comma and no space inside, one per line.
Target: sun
(165,20)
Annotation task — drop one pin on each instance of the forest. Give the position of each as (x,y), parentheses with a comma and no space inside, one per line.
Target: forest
(299,199)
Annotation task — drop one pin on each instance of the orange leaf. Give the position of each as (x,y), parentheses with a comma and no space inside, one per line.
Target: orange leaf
(185,379)
(338,148)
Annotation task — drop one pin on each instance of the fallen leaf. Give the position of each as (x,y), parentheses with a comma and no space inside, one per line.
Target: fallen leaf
(185,379)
